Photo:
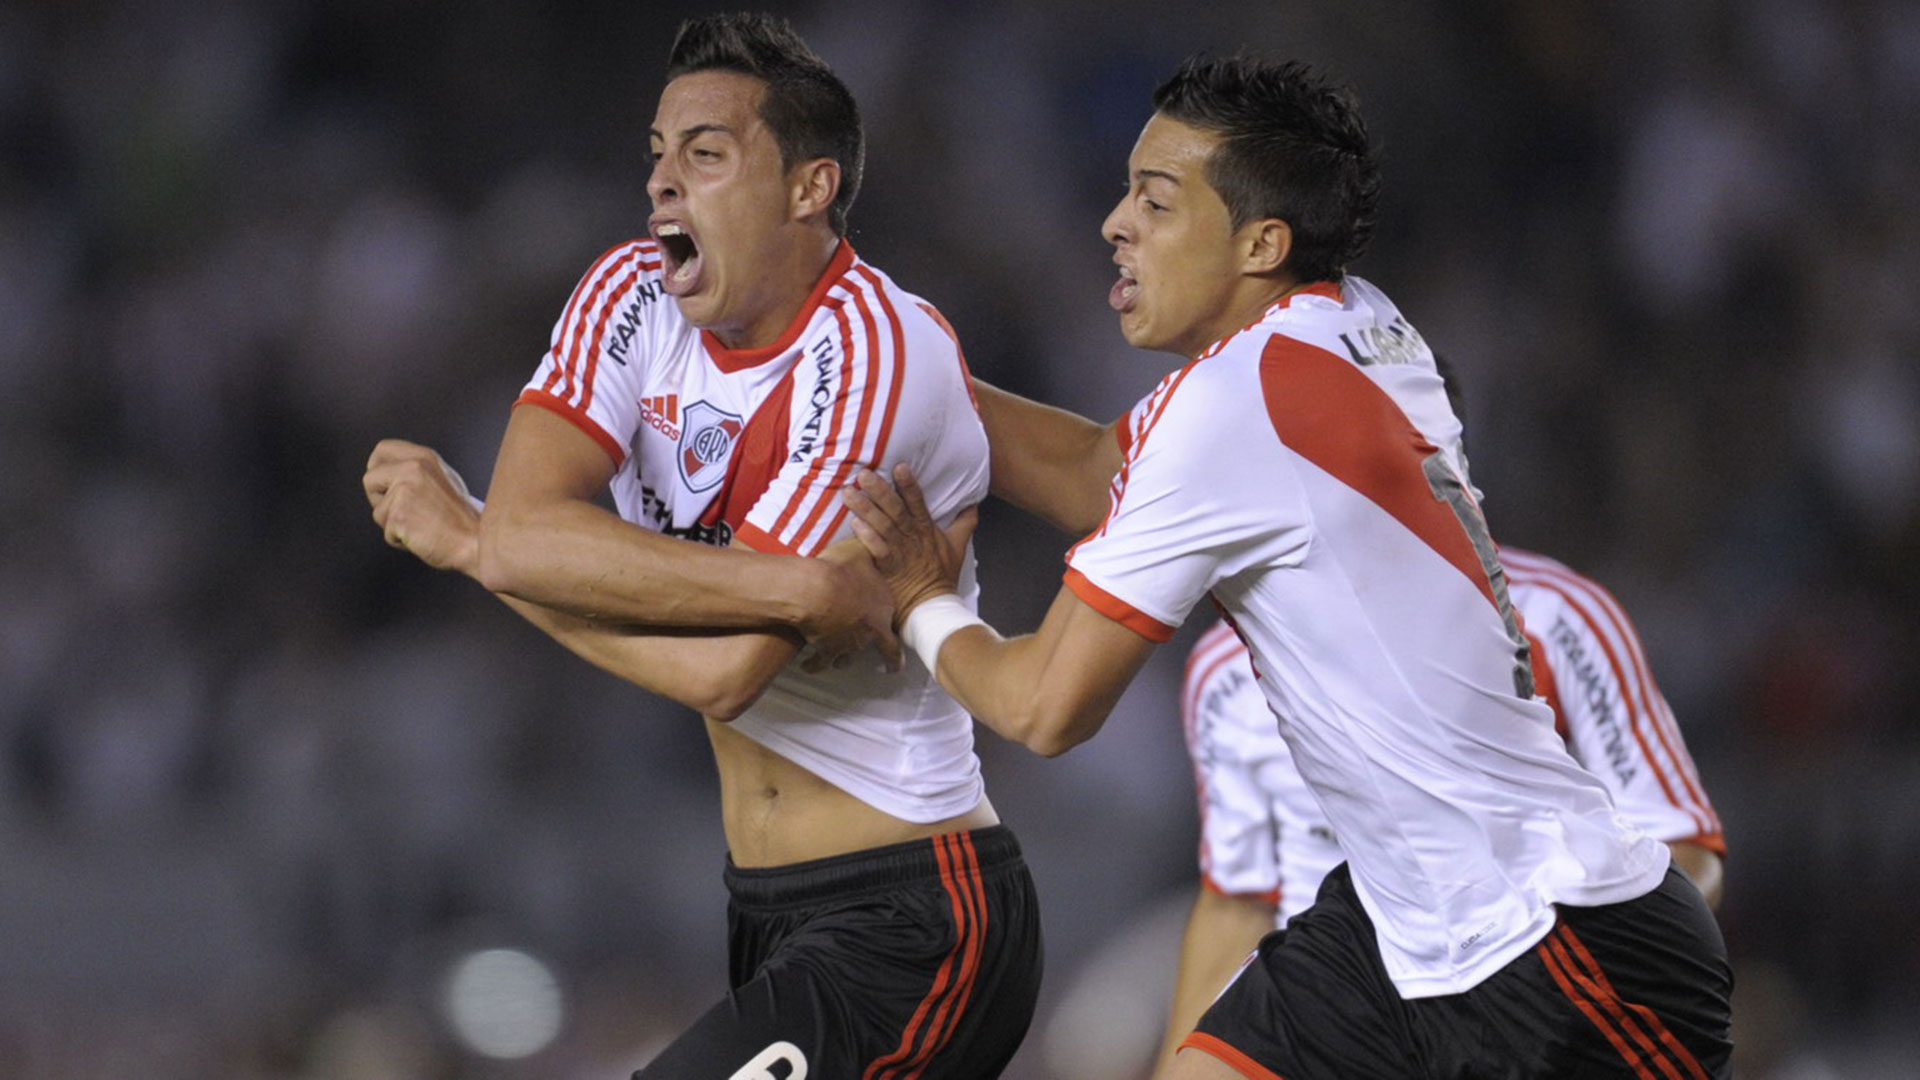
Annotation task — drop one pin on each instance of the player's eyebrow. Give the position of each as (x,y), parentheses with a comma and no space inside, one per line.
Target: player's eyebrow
(694,131)
(1149,174)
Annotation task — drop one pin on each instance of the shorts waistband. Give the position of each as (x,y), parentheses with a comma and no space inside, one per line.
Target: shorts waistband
(874,869)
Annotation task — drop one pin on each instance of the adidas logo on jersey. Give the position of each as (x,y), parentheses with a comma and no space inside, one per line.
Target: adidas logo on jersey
(662,414)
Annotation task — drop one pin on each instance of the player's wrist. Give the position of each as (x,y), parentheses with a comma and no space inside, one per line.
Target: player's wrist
(822,597)
(467,552)
(806,595)
(930,622)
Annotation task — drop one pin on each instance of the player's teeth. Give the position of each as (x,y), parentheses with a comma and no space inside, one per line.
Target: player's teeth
(684,272)
(672,230)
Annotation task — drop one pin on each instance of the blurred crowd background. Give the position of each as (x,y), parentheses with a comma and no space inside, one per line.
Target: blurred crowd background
(275,799)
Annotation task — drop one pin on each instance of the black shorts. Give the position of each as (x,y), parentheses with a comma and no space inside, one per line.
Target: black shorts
(1637,989)
(913,960)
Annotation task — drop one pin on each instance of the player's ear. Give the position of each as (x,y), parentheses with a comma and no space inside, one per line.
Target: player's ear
(1266,243)
(812,186)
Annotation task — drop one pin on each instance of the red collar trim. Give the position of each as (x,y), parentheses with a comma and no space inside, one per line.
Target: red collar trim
(1328,289)
(732,360)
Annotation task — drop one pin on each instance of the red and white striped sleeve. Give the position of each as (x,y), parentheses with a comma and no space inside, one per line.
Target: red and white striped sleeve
(1615,719)
(1162,463)
(591,371)
(845,399)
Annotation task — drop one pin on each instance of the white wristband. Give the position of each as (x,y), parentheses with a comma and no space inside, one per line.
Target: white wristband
(932,622)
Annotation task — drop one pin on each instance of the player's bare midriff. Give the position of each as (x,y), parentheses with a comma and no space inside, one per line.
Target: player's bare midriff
(776,812)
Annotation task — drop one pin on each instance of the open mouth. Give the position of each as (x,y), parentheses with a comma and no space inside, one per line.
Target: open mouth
(681,256)
(1121,296)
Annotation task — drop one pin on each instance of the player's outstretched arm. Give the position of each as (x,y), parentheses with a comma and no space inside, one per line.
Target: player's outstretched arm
(1050,690)
(543,540)
(1049,462)
(422,505)
(1221,931)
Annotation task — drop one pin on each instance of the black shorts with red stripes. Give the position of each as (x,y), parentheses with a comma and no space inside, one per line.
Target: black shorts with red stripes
(1637,989)
(915,961)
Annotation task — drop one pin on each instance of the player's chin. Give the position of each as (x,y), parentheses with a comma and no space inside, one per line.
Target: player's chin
(1137,330)
(700,307)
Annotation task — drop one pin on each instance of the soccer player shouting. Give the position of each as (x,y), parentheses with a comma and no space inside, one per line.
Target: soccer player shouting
(1496,916)
(726,376)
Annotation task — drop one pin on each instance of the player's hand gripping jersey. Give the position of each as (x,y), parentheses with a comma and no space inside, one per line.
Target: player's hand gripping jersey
(1306,474)
(752,447)
(1263,834)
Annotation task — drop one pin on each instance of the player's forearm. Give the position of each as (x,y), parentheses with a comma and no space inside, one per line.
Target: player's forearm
(1004,683)
(1048,691)
(1221,931)
(1049,462)
(716,674)
(992,678)
(574,557)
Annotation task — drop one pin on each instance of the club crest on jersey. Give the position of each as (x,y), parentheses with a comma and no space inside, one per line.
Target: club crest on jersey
(707,436)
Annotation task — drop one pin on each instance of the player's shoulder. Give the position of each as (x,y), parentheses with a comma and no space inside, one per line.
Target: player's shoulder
(1182,419)
(630,259)
(1351,318)
(1325,315)
(1534,570)
(625,274)
(873,310)
(1538,583)
(1522,561)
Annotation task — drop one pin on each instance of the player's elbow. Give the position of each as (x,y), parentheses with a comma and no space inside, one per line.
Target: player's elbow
(1050,745)
(725,701)
(731,685)
(1051,729)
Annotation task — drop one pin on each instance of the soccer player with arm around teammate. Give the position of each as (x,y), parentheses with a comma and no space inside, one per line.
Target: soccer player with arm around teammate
(1302,471)
(725,376)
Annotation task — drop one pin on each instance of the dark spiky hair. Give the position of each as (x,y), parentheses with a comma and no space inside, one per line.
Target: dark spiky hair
(810,112)
(1293,146)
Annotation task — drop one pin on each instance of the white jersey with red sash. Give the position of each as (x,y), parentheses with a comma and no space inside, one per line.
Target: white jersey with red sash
(1306,474)
(753,446)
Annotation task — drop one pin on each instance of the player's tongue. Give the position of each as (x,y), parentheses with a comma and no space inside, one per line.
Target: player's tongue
(1120,297)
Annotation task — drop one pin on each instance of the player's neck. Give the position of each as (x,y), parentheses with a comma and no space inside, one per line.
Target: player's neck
(1251,299)
(787,284)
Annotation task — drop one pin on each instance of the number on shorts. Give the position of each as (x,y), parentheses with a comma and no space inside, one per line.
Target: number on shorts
(780,1053)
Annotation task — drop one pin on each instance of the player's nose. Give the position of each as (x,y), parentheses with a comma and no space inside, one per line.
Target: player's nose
(662,183)
(1117,229)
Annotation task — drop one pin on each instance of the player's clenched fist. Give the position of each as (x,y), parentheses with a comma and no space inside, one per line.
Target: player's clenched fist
(423,506)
